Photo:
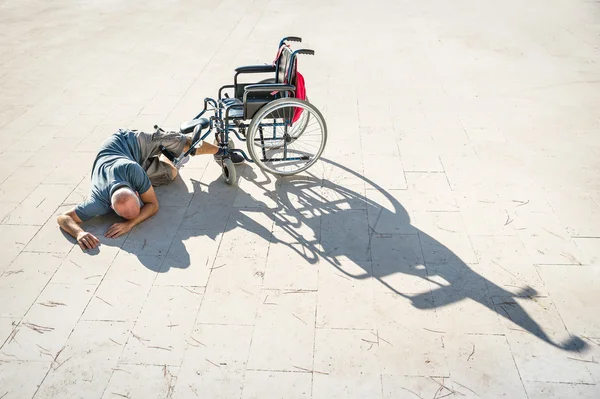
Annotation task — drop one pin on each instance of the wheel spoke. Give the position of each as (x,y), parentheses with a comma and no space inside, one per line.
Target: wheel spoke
(293,147)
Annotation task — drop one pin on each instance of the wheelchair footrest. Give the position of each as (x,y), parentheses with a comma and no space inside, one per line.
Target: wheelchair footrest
(170,156)
(188,127)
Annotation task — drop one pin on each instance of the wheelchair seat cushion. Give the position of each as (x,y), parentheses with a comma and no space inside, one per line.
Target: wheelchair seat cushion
(231,101)
(188,127)
(236,112)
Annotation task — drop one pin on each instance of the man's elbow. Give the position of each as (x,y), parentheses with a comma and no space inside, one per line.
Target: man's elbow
(62,219)
(67,218)
(153,206)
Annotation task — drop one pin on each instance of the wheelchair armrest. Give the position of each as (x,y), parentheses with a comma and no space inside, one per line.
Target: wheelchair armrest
(270,87)
(255,69)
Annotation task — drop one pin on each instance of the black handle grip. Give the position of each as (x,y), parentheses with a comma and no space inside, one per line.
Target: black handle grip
(170,156)
(306,51)
(293,39)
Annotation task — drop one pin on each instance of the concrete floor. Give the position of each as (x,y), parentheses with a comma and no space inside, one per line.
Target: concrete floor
(447,245)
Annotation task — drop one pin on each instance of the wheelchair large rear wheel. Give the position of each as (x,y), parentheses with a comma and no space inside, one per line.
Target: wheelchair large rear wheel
(292,152)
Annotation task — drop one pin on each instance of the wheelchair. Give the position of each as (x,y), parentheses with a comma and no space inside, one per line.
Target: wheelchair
(284,133)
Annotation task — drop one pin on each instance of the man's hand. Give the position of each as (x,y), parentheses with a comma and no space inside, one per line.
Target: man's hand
(69,222)
(118,229)
(87,240)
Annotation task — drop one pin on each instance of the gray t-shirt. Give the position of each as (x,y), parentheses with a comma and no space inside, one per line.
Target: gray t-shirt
(117,164)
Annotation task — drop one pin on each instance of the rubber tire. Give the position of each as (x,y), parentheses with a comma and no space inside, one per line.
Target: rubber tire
(228,172)
(253,128)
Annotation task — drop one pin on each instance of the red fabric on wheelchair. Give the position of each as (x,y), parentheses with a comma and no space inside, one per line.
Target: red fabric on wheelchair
(300,84)
(300,94)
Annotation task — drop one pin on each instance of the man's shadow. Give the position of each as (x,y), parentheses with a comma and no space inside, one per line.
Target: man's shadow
(343,225)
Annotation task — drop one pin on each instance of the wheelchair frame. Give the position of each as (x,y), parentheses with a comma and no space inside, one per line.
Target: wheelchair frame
(223,122)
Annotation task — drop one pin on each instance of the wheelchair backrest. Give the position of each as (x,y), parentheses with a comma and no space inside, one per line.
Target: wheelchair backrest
(284,71)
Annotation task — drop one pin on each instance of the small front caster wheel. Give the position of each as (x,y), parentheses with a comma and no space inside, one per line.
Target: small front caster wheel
(229,173)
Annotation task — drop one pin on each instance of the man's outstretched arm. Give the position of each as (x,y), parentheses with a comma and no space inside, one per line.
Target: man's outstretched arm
(149,209)
(69,222)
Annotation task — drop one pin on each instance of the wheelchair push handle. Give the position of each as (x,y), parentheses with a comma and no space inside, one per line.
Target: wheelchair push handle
(289,39)
(305,51)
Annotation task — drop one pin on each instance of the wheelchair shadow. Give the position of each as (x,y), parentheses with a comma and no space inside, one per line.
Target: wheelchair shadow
(330,223)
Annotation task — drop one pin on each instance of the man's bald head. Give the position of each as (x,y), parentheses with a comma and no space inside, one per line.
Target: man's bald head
(126,203)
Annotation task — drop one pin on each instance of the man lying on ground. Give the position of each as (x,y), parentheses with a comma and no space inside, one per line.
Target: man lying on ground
(128,164)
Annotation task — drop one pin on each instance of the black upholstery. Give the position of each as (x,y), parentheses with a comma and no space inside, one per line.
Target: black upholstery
(255,102)
(231,101)
(283,63)
(270,87)
(254,99)
(255,68)
(257,95)
(233,112)
(240,88)
(188,127)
